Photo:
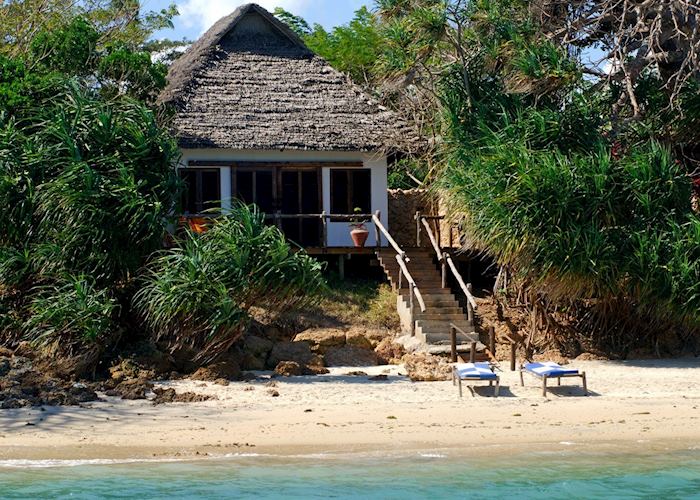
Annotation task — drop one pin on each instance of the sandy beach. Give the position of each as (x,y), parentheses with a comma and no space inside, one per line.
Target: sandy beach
(643,404)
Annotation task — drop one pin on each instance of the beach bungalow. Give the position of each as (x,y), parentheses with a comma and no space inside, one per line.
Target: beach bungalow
(261,118)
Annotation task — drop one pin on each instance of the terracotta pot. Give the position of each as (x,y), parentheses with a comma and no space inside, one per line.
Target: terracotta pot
(359,236)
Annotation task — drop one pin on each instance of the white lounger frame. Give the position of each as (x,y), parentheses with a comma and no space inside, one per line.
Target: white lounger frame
(457,379)
(581,375)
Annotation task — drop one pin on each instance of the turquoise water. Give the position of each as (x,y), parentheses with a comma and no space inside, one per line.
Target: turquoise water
(546,475)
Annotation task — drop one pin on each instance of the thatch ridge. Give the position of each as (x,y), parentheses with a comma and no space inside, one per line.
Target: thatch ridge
(196,56)
(265,89)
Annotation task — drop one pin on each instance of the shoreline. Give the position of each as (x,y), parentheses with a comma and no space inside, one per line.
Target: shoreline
(19,457)
(638,406)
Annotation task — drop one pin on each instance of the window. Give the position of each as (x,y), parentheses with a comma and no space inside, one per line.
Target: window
(351,189)
(202,190)
(255,186)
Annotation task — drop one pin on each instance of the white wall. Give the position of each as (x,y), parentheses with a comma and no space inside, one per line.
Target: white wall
(338,232)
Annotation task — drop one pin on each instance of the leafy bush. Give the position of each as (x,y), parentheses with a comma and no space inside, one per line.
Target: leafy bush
(583,224)
(87,179)
(200,293)
(69,311)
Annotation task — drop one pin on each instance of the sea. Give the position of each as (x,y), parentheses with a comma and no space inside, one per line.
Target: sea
(567,474)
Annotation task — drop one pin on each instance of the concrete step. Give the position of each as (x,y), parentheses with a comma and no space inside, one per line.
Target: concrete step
(440,326)
(428,291)
(430,315)
(438,337)
(436,301)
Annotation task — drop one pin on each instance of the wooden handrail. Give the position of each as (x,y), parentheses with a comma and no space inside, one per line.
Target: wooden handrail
(378,224)
(459,279)
(342,217)
(446,258)
(411,282)
(436,247)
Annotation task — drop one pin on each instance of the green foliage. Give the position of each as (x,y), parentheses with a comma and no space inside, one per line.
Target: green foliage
(68,49)
(352,301)
(579,207)
(123,22)
(87,179)
(297,23)
(91,184)
(134,72)
(407,173)
(200,293)
(69,310)
(352,48)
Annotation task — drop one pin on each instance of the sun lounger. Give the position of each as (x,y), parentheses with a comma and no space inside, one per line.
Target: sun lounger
(550,369)
(474,371)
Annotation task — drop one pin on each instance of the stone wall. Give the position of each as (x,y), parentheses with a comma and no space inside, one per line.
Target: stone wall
(403,205)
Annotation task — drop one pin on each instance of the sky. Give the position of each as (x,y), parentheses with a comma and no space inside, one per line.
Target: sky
(196,16)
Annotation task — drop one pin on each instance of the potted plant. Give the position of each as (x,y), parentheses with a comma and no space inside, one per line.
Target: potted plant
(358,231)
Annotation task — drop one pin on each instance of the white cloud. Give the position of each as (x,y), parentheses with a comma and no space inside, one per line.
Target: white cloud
(201,14)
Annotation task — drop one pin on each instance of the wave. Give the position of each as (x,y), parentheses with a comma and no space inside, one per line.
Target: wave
(47,463)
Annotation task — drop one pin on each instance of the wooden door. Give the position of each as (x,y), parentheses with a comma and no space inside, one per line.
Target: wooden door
(299,192)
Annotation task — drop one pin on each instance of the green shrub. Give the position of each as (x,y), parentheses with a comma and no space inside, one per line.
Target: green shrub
(200,293)
(70,312)
(583,225)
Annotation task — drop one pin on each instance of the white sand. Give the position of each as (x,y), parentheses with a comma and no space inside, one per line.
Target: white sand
(648,404)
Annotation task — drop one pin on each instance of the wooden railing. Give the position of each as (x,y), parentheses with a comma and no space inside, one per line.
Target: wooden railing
(278,217)
(402,260)
(445,260)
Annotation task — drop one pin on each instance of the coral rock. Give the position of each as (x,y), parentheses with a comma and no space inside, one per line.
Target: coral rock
(288,369)
(299,352)
(350,355)
(320,339)
(422,367)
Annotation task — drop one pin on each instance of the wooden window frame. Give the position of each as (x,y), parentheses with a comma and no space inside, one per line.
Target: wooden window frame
(350,188)
(199,171)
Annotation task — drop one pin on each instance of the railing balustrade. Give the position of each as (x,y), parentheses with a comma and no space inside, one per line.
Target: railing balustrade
(445,260)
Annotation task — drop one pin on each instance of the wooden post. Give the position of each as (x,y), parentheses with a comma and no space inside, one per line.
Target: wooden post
(377,233)
(513,347)
(492,340)
(453,343)
(412,306)
(443,269)
(278,219)
(324,232)
(470,311)
(438,223)
(472,352)
(418,229)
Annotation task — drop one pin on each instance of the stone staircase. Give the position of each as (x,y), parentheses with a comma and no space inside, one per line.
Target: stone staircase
(443,309)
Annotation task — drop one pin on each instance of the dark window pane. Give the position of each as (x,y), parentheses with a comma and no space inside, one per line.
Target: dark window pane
(211,195)
(351,189)
(309,185)
(201,190)
(264,191)
(244,187)
(361,191)
(339,192)
(189,193)
(290,192)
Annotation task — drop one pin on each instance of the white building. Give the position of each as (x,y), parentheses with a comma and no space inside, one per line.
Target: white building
(260,118)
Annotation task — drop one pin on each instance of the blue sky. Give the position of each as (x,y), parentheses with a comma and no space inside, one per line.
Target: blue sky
(196,16)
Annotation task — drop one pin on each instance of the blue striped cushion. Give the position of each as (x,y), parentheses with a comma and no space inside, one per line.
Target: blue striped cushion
(549,368)
(480,371)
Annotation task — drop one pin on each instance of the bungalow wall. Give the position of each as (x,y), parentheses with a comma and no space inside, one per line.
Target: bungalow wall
(338,232)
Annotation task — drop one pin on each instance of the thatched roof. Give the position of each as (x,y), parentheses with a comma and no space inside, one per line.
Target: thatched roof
(251,83)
